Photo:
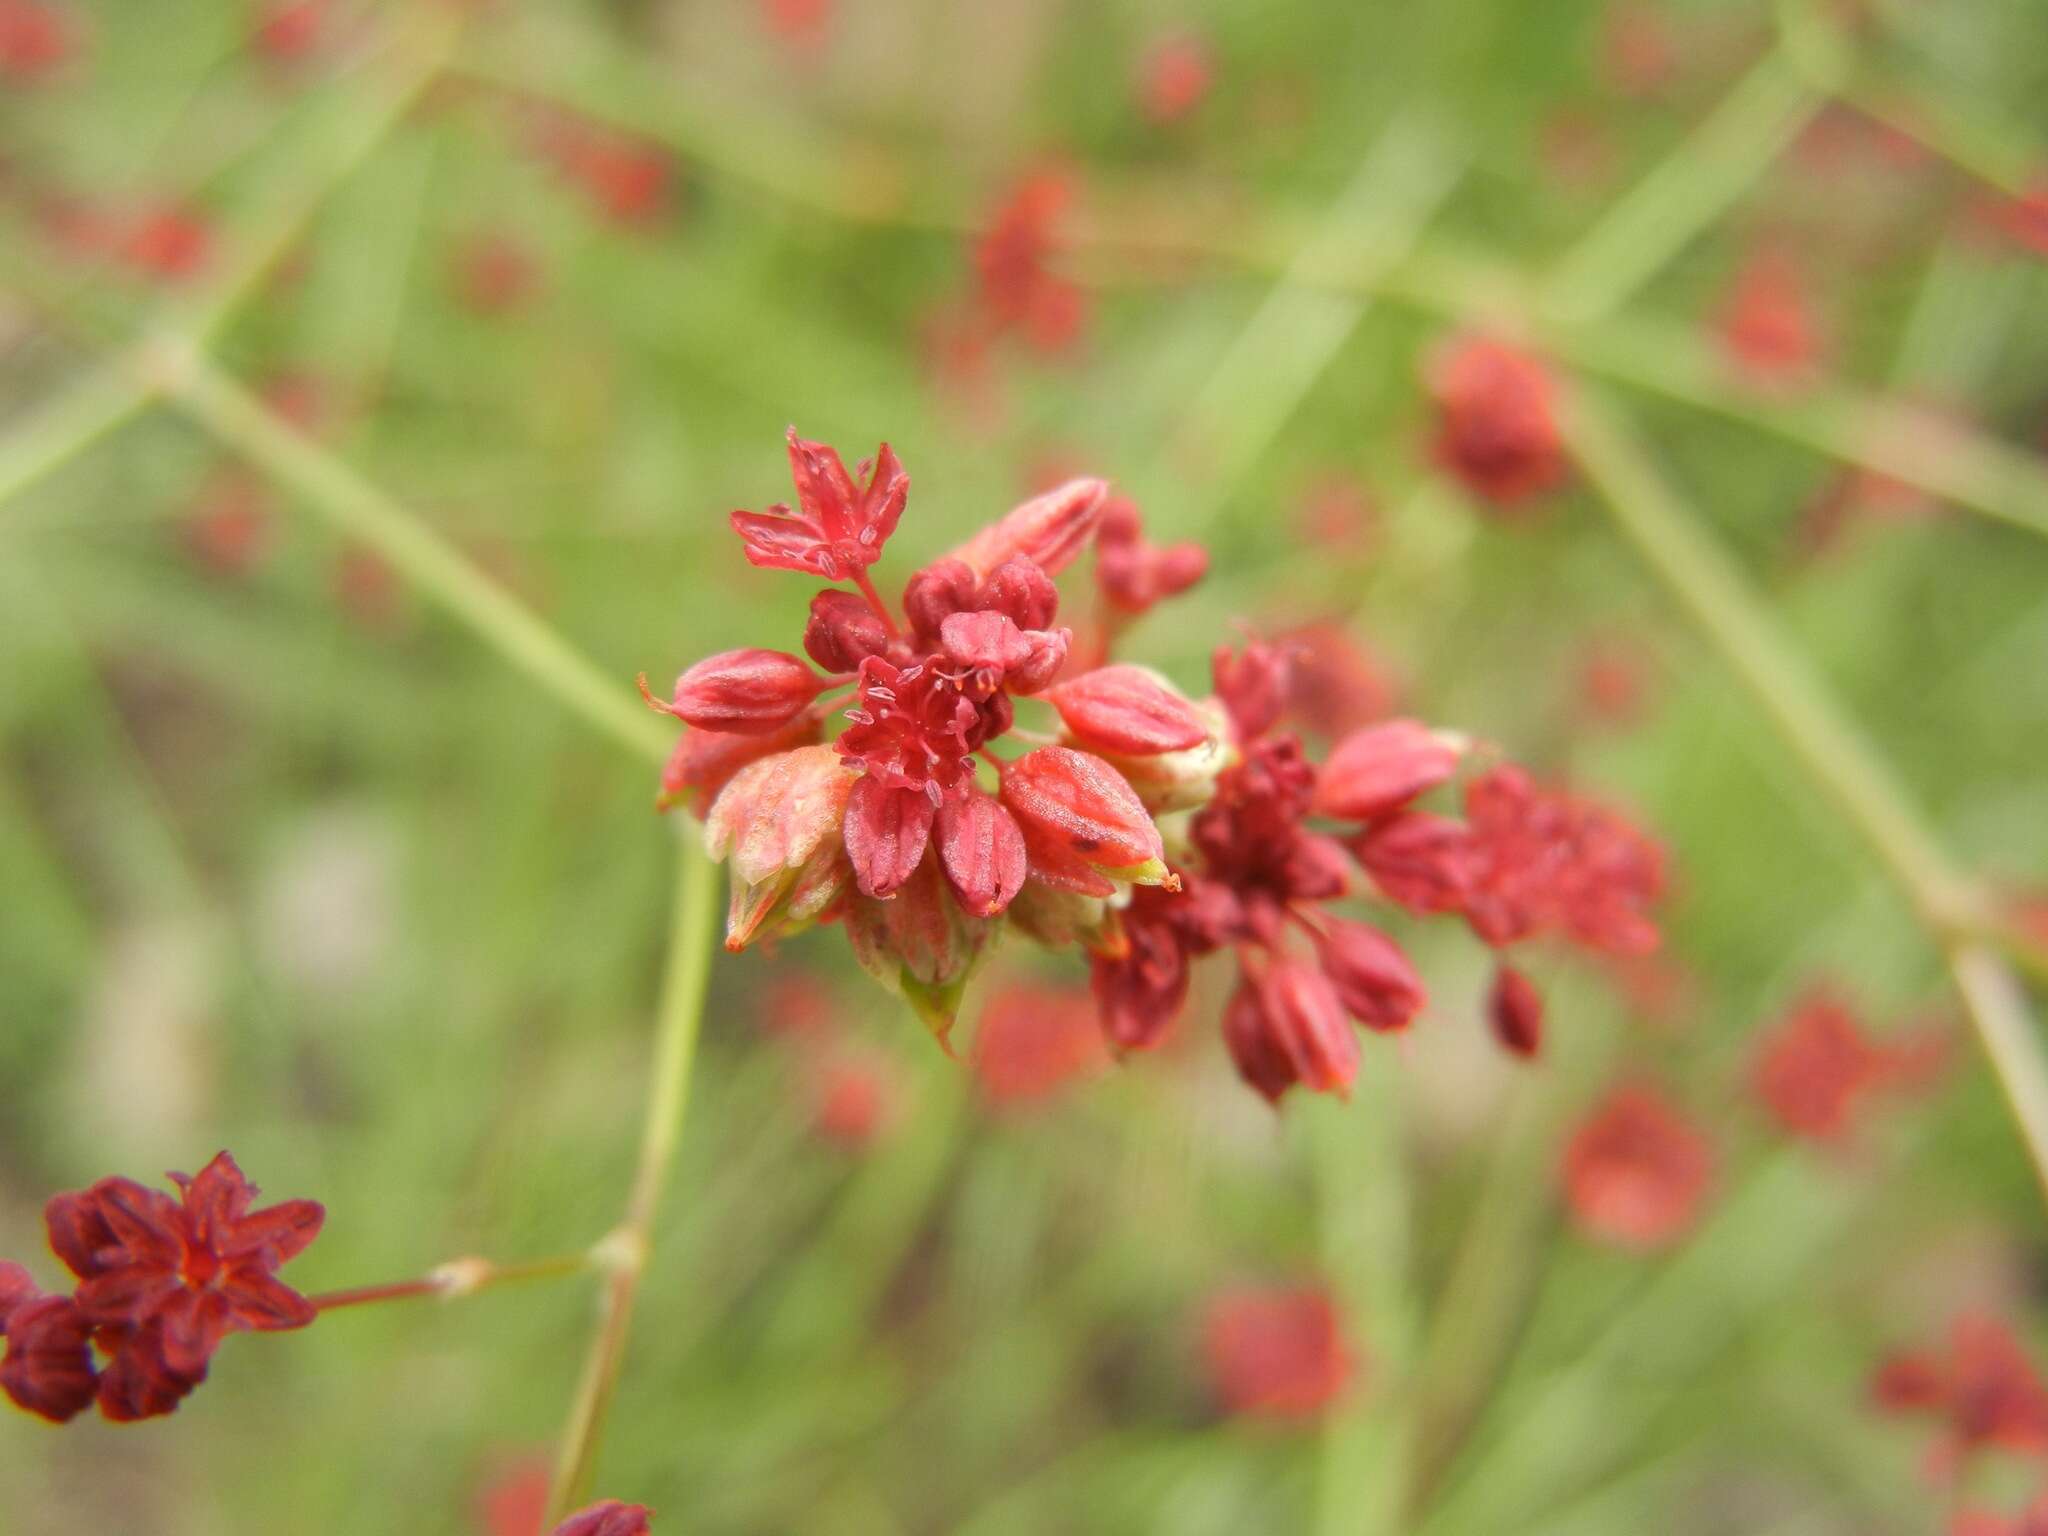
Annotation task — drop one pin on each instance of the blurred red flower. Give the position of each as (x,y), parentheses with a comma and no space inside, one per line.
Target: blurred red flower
(1496,421)
(1276,1352)
(1637,1172)
(1034,1042)
(1174,76)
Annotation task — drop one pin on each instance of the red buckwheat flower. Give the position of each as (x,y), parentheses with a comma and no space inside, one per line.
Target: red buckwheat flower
(1034,1042)
(1817,1066)
(909,826)
(161,1282)
(1276,1352)
(1985,1391)
(1637,1172)
(1496,421)
(1767,323)
(1019,293)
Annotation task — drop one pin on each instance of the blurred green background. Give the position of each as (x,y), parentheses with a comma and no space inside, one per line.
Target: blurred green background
(289,863)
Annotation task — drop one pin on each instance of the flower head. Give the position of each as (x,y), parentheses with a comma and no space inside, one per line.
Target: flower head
(161,1281)
(1637,1172)
(1276,1352)
(841,521)
(1496,421)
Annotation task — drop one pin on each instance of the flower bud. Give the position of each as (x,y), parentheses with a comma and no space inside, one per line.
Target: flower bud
(1515,1010)
(1084,827)
(747,692)
(1048,530)
(843,631)
(934,594)
(1379,769)
(1140,994)
(703,762)
(1424,862)
(1181,781)
(921,945)
(1128,710)
(886,832)
(779,822)
(1252,683)
(609,1518)
(49,1368)
(1374,978)
(1307,1020)
(981,849)
(1022,590)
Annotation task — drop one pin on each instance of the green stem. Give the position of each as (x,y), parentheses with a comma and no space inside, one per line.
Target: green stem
(1363,1197)
(1686,192)
(1842,764)
(623,1254)
(359,509)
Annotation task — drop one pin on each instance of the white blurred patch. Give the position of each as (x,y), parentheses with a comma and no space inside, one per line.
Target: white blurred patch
(325,898)
(146,1040)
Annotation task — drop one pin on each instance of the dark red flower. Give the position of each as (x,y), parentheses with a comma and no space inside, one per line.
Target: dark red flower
(1276,1351)
(1515,1010)
(1496,421)
(1334,684)
(1816,1066)
(48,1369)
(610,1518)
(1375,980)
(1983,1388)
(197,1267)
(1636,1172)
(841,522)
(1140,990)
(1285,1025)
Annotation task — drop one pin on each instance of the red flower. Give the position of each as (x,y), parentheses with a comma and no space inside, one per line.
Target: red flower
(1767,323)
(513,1500)
(34,39)
(1817,1066)
(1285,1025)
(289,30)
(1378,770)
(1496,422)
(852,1100)
(750,692)
(610,1518)
(800,23)
(1174,76)
(1984,1388)
(161,1282)
(1132,572)
(48,1369)
(1334,684)
(1033,1042)
(493,273)
(1276,1352)
(230,524)
(199,1267)
(1636,1172)
(1019,293)
(168,243)
(840,527)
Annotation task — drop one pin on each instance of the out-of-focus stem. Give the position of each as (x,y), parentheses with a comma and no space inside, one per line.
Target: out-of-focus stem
(1842,764)
(362,511)
(623,1254)
(1686,192)
(118,390)
(458,1277)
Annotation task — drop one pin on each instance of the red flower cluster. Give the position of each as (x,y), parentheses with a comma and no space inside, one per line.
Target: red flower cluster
(1637,1172)
(1174,77)
(161,1281)
(1984,1391)
(1817,1066)
(1019,294)
(909,827)
(1033,1042)
(34,39)
(1497,425)
(1276,1352)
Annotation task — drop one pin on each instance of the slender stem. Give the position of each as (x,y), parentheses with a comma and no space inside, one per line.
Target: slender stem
(1686,192)
(362,511)
(1842,764)
(862,580)
(624,1252)
(458,1277)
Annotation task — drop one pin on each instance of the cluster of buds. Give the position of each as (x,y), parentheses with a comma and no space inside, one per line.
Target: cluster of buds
(161,1282)
(1497,428)
(1142,827)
